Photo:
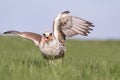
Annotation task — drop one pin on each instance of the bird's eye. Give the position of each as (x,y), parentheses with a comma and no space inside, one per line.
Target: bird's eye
(50,34)
(43,34)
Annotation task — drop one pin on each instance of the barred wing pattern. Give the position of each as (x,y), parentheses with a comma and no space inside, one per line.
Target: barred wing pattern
(71,25)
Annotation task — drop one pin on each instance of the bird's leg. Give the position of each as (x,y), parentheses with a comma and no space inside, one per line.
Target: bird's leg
(59,61)
(51,62)
(54,61)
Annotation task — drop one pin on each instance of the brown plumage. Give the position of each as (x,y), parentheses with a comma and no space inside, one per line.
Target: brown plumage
(36,38)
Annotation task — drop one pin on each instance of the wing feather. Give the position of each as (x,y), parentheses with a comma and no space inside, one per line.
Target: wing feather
(36,38)
(71,25)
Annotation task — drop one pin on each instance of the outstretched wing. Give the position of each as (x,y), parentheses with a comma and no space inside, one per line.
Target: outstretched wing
(36,38)
(68,25)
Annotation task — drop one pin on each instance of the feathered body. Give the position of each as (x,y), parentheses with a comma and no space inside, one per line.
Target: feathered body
(52,49)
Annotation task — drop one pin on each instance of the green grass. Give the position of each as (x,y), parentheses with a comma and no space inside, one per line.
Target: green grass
(84,60)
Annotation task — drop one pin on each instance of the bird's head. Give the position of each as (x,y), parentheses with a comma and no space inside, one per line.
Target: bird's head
(47,36)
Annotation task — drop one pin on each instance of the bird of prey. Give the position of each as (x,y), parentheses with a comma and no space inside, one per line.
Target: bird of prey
(52,45)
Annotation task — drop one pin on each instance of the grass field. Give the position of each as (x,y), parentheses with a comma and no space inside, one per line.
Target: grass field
(84,60)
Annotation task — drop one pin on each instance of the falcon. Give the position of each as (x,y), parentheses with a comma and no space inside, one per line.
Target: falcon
(52,45)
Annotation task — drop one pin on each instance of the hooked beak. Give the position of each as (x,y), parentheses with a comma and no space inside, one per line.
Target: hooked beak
(46,39)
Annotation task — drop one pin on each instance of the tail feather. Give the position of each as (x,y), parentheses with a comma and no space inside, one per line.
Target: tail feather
(12,32)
